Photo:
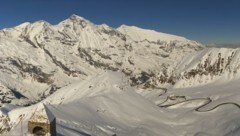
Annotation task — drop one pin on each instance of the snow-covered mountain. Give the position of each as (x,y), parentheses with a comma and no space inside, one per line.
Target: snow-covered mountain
(38,58)
(201,68)
(123,79)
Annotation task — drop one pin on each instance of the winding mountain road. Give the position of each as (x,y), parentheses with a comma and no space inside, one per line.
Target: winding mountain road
(198,108)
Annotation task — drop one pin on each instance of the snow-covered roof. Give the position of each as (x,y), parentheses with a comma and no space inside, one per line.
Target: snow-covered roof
(42,114)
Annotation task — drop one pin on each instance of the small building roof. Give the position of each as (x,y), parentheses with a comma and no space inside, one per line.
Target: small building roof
(42,114)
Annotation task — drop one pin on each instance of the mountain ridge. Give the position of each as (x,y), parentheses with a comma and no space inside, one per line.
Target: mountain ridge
(53,56)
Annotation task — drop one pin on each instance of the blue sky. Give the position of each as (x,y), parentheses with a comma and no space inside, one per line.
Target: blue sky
(207,21)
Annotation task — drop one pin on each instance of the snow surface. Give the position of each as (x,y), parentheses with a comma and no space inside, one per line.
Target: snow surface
(139,34)
(42,114)
(107,105)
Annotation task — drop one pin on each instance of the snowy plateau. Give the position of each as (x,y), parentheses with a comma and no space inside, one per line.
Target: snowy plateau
(128,81)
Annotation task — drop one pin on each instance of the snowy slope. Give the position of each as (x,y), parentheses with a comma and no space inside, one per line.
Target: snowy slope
(138,34)
(102,105)
(106,105)
(210,65)
(210,110)
(201,68)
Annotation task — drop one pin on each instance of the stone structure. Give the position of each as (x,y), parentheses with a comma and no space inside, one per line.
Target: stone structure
(42,122)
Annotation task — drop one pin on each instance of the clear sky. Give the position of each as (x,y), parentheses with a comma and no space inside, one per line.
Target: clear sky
(207,21)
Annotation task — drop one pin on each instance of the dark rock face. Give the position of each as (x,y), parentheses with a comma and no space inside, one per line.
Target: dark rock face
(214,67)
(209,66)
(35,72)
(97,64)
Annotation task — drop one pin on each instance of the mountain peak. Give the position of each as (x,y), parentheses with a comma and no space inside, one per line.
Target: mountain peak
(41,23)
(77,18)
(73,19)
